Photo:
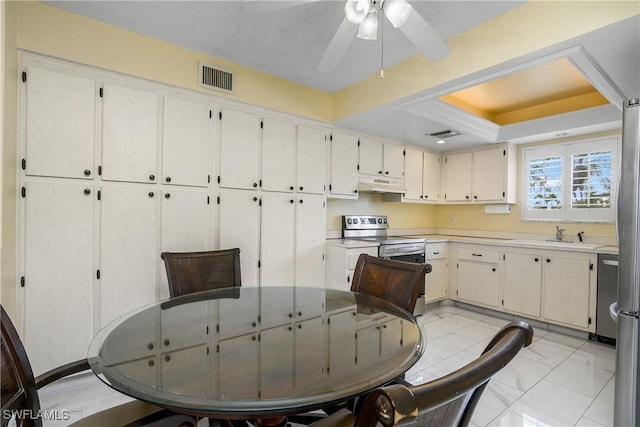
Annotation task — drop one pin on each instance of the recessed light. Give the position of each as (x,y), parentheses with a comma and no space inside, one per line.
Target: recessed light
(441,141)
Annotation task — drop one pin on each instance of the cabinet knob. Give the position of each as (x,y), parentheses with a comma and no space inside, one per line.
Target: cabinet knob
(467,197)
(290,315)
(493,269)
(536,259)
(380,172)
(355,191)
(253,324)
(475,197)
(422,197)
(87,172)
(291,201)
(255,199)
(255,185)
(151,194)
(87,191)
(548,260)
(299,313)
(386,173)
(167,358)
(151,363)
(168,179)
(150,346)
(291,188)
(152,177)
(426,196)
(167,195)
(166,343)
(301,201)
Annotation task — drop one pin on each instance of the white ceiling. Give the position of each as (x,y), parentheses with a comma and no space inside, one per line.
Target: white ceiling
(289,42)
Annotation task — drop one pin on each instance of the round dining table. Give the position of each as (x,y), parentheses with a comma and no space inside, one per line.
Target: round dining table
(257,352)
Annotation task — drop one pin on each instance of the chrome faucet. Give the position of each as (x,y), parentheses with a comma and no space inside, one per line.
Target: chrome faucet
(559,233)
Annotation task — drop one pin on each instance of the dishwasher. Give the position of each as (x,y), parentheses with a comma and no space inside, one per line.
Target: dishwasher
(606,328)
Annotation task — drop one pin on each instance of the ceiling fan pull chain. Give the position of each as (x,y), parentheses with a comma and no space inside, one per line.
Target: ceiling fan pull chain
(381,43)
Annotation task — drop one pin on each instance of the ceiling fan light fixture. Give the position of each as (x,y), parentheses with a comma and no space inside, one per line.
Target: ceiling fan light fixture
(397,11)
(368,29)
(356,10)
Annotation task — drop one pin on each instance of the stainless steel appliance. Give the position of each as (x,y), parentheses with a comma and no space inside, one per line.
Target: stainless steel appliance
(374,228)
(626,400)
(606,327)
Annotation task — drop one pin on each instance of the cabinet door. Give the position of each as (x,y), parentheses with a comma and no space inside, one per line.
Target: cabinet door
(413,175)
(342,346)
(370,157)
(238,384)
(186,142)
(278,156)
(437,282)
(128,252)
(311,219)
(344,165)
(184,226)
(488,175)
(59,272)
(239,149)
(277,250)
(240,228)
(522,283)
(129,134)
(458,176)
(309,341)
(567,289)
(276,373)
(393,162)
(478,283)
(60,122)
(431,177)
(312,163)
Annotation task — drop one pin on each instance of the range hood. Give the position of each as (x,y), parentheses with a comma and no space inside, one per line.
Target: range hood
(381,185)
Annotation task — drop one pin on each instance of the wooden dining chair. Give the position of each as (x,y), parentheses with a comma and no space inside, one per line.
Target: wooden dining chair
(446,401)
(20,391)
(189,272)
(398,282)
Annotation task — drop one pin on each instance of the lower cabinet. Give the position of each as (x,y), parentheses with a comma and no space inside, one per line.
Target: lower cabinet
(437,282)
(478,276)
(341,263)
(522,283)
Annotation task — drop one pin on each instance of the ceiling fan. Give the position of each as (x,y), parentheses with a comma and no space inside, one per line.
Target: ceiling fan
(361,20)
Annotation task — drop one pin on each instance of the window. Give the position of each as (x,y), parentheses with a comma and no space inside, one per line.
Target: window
(570,182)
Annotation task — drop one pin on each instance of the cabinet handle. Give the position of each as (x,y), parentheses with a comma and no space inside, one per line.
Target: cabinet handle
(536,259)
(291,201)
(87,191)
(436,253)
(475,197)
(255,185)
(380,172)
(301,188)
(476,254)
(291,188)
(386,173)
(87,172)
(151,194)
(167,195)
(152,177)
(168,179)
(548,260)
(467,197)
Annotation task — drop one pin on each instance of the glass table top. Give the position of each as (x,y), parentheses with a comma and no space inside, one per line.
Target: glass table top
(255,352)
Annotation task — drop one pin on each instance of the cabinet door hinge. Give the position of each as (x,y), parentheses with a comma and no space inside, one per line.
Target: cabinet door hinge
(591,266)
(504,152)
(358,142)
(331,137)
(589,320)
(208,179)
(358,167)
(456,292)
(261,124)
(23,192)
(99,195)
(24,164)
(504,258)
(98,274)
(329,187)
(208,200)
(210,114)
(218,200)
(101,92)
(220,115)
(404,152)
(24,77)
(457,265)
(99,170)
(22,282)
(503,194)
(502,302)
(259,264)
(218,179)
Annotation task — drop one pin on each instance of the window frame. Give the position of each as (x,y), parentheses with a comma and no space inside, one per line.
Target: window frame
(568,149)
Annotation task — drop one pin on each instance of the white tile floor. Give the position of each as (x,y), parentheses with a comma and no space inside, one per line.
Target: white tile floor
(557,381)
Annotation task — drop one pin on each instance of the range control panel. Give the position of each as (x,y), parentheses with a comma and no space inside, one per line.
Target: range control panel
(364,222)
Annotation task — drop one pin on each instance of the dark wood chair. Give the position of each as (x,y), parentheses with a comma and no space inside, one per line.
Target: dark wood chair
(398,282)
(189,272)
(20,391)
(446,401)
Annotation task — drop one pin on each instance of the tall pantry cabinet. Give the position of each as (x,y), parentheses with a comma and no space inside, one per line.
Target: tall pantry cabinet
(115,170)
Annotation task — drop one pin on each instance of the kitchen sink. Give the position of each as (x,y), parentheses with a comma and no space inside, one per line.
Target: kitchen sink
(555,244)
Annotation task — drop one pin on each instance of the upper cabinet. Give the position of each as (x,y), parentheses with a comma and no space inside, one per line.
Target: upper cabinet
(130,119)
(239,149)
(486,175)
(421,176)
(384,159)
(312,160)
(278,155)
(59,124)
(343,182)
(186,142)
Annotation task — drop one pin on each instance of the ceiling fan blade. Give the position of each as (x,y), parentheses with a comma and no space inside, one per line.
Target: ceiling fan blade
(338,46)
(425,37)
(260,6)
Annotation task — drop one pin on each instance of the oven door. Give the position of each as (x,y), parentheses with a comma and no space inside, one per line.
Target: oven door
(417,258)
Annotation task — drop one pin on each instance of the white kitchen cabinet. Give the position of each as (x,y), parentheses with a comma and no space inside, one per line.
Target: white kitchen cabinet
(59,124)
(59,272)
(413,175)
(312,160)
(341,329)
(437,282)
(309,339)
(485,175)
(276,374)
(186,142)
(431,177)
(239,227)
(310,238)
(478,275)
(277,236)
(343,181)
(130,126)
(234,383)
(128,250)
(381,159)
(184,225)
(278,155)
(522,282)
(569,289)
(341,263)
(240,154)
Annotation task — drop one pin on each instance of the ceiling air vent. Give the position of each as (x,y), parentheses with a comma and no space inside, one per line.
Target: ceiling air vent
(216,78)
(445,133)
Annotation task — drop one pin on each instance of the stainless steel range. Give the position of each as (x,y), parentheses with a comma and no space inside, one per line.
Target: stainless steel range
(374,228)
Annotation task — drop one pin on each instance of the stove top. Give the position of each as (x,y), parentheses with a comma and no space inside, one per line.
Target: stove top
(374,228)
